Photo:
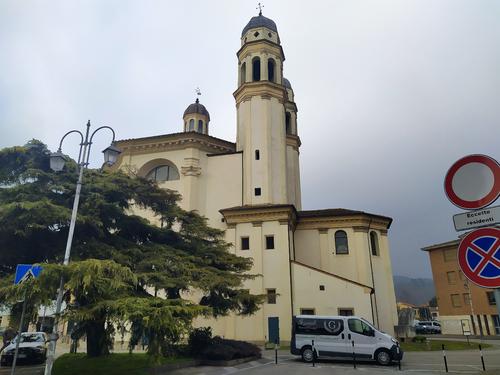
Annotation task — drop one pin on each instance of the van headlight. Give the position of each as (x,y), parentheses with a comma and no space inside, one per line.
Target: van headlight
(39,349)
(394,340)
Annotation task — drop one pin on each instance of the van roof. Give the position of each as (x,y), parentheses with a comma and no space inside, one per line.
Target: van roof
(326,316)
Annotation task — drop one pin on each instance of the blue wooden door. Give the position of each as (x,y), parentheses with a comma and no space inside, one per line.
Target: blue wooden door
(273,326)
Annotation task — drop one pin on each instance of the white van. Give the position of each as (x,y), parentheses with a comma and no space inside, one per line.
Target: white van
(333,337)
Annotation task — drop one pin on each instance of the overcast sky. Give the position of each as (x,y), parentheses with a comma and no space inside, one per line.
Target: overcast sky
(390,93)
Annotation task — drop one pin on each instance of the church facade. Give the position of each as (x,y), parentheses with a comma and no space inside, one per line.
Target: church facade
(323,262)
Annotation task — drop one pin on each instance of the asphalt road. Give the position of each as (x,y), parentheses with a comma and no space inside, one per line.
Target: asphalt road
(24,370)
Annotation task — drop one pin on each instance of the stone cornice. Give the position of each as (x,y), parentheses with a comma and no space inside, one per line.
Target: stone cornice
(283,213)
(293,140)
(261,45)
(265,89)
(359,223)
(174,141)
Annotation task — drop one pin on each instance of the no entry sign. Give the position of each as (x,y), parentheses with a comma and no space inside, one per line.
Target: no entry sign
(479,257)
(473,182)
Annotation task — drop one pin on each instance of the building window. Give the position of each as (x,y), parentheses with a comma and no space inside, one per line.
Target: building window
(374,243)
(269,242)
(243,73)
(346,311)
(270,69)
(466,299)
(245,243)
(496,323)
(452,277)
(271,296)
(200,126)
(256,69)
(163,173)
(491,298)
(341,245)
(257,192)
(191,125)
(321,287)
(455,300)
(288,123)
(449,255)
(307,312)
(461,275)
(257,155)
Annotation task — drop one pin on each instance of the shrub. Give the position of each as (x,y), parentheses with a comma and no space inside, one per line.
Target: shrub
(199,339)
(222,349)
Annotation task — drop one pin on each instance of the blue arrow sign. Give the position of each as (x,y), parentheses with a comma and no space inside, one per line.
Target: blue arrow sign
(26,271)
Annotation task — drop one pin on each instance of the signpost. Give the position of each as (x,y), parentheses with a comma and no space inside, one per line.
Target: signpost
(24,272)
(473,183)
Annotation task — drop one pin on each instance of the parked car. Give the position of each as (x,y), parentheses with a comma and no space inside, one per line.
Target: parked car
(428,327)
(32,349)
(333,337)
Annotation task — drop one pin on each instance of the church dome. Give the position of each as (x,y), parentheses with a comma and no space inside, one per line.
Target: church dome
(287,83)
(197,108)
(260,21)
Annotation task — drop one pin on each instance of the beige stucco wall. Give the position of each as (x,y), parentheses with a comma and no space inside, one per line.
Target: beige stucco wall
(337,294)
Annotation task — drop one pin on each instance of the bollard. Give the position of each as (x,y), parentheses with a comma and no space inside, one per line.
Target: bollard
(312,346)
(482,359)
(353,355)
(444,356)
(399,356)
(276,352)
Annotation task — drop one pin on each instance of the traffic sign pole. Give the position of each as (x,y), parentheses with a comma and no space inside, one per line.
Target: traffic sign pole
(16,352)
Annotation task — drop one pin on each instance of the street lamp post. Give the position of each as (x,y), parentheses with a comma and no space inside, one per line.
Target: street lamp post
(57,161)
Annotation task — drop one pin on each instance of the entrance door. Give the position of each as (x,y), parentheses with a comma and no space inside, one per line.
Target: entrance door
(273,327)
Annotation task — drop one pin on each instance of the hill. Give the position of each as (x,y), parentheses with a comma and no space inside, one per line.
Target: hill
(414,291)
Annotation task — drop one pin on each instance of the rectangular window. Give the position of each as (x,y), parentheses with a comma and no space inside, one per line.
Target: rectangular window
(269,242)
(321,287)
(496,323)
(455,300)
(245,243)
(466,299)
(257,155)
(452,277)
(450,254)
(461,275)
(346,311)
(257,192)
(271,296)
(307,312)
(318,327)
(491,298)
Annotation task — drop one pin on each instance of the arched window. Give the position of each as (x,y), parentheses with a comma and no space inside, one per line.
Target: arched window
(270,70)
(243,73)
(200,126)
(163,173)
(256,69)
(341,245)
(191,125)
(374,243)
(288,123)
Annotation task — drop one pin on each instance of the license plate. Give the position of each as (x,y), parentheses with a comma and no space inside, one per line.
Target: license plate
(21,356)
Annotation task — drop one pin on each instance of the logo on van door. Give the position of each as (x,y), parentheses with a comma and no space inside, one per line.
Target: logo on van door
(333,326)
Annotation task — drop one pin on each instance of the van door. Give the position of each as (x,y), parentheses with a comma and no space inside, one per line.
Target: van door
(363,336)
(331,338)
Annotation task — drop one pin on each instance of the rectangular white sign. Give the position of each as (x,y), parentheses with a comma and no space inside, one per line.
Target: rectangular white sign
(485,217)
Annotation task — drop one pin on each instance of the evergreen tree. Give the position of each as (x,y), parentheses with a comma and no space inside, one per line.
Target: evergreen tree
(120,262)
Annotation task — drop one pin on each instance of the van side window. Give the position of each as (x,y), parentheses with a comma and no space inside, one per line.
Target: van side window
(330,327)
(358,326)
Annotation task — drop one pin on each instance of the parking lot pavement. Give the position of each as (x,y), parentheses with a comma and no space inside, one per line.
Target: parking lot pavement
(24,370)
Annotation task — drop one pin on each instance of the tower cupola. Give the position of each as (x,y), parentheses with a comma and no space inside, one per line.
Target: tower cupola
(196,118)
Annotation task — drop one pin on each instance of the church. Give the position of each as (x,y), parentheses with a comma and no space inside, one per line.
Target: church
(322,262)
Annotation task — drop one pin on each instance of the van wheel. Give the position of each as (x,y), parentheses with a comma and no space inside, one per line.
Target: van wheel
(383,357)
(308,354)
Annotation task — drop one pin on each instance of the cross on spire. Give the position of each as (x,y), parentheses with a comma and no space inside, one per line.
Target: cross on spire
(198,94)
(259,7)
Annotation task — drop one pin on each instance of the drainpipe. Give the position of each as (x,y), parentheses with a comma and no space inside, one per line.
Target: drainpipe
(373,277)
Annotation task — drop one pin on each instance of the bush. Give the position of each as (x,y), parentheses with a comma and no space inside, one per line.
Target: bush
(222,349)
(419,339)
(199,339)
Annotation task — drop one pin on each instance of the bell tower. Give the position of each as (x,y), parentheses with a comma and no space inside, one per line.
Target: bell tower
(261,98)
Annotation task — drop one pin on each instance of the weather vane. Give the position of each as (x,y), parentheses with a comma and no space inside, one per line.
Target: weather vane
(259,7)
(198,93)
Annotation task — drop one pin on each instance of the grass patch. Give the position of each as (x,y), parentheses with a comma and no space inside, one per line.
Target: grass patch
(433,345)
(113,364)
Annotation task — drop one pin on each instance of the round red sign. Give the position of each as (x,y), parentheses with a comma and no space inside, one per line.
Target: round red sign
(473,182)
(479,257)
